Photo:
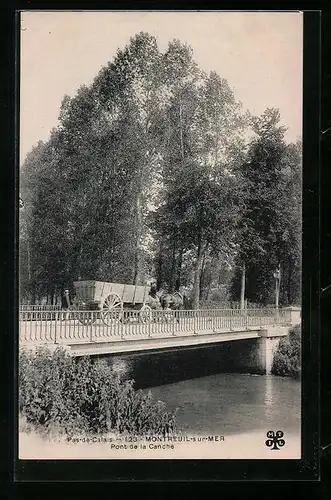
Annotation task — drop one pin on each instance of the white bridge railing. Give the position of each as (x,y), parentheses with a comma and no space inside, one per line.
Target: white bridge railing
(39,308)
(58,326)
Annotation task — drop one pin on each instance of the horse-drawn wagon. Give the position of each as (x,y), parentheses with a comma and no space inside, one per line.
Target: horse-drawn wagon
(111,299)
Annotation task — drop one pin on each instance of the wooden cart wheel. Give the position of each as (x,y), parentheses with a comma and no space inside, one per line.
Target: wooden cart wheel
(112,309)
(145,313)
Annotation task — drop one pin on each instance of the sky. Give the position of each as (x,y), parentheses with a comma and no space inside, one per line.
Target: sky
(259,53)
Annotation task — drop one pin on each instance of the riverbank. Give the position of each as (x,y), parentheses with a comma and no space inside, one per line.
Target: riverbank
(235,409)
(287,358)
(58,393)
(230,412)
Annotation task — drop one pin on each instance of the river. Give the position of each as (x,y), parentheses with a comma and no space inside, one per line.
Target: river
(232,403)
(212,400)
(210,396)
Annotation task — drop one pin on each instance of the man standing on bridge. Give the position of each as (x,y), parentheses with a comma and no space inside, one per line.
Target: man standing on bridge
(65,302)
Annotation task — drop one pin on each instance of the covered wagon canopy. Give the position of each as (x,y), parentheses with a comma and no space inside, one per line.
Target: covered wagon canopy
(101,291)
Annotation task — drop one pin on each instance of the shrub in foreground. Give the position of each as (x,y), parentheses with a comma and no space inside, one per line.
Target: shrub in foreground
(287,358)
(78,395)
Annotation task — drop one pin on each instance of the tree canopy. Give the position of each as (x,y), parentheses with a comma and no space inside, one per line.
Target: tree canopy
(156,172)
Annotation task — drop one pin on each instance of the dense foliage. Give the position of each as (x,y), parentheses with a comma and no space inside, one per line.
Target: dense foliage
(155,172)
(59,392)
(287,358)
(269,233)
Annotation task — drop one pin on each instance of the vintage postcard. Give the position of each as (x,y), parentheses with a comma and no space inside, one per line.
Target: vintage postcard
(160,227)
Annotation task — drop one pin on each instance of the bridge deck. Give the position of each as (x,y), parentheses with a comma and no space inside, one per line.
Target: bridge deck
(133,344)
(159,331)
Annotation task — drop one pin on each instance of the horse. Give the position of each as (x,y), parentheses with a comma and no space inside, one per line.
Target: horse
(171,303)
(161,300)
(174,301)
(154,303)
(153,299)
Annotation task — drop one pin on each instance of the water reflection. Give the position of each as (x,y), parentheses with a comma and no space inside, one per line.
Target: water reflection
(159,368)
(232,403)
(209,393)
(268,397)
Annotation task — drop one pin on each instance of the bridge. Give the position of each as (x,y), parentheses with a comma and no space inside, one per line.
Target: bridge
(96,333)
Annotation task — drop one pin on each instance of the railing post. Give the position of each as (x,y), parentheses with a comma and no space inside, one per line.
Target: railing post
(149,322)
(121,324)
(55,330)
(91,329)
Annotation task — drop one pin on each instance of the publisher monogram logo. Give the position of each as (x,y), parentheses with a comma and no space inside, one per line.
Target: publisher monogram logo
(275,440)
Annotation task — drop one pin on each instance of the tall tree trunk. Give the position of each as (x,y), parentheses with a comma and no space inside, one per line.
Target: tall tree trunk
(277,291)
(138,236)
(33,294)
(181,130)
(136,266)
(197,275)
(173,267)
(208,291)
(196,283)
(159,275)
(179,269)
(242,288)
(289,285)
(48,294)
(29,259)
(201,284)
(202,279)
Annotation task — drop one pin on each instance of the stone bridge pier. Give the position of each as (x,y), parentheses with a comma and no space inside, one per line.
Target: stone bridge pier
(257,355)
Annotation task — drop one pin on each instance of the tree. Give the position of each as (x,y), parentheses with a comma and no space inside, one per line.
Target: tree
(149,173)
(263,238)
(137,73)
(198,208)
(291,227)
(97,168)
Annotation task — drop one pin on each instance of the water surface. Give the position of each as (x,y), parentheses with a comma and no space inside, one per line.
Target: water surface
(209,393)
(231,403)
